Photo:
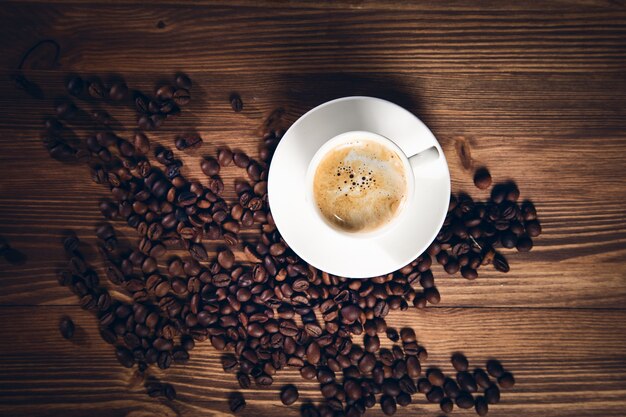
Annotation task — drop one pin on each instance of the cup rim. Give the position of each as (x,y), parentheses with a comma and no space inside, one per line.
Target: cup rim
(345,137)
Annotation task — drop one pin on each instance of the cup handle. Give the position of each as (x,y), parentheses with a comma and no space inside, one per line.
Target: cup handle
(424,157)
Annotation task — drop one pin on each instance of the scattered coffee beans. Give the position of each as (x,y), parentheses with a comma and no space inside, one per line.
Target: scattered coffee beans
(256,298)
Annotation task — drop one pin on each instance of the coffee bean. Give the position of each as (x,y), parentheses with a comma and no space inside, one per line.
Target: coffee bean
(533,228)
(451,388)
(388,405)
(289,394)
(452,266)
(164,92)
(524,243)
(528,211)
(169,392)
(435,395)
(241,159)
(75,85)
(464,400)
(403,399)
(435,376)
(183,81)
(125,357)
(482,379)
(66,110)
(466,381)
(492,394)
(210,167)
(226,259)
(392,334)
(495,368)
(506,380)
(407,335)
(181,97)
(118,91)
(413,366)
(469,273)
(254,171)
(500,263)
(371,343)
(313,353)
(423,385)
(188,142)
(244,380)
(407,385)
(198,253)
(482,178)
(512,194)
(459,362)
(264,380)
(236,103)
(350,313)
(164,360)
(367,363)
(352,389)
(236,403)
(66,327)
(154,389)
(308,372)
(481,406)
(432,295)
(288,328)
(96,89)
(498,193)
(446,404)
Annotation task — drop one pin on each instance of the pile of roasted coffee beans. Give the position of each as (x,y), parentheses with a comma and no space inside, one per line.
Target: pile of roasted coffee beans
(473,230)
(462,389)
(271,310)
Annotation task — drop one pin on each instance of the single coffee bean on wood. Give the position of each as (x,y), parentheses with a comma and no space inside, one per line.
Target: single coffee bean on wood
(236,103)
(482,178)
(236,403)
(289,395)
(66,327)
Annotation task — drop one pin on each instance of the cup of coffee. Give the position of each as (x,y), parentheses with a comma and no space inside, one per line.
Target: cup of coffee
(360,183)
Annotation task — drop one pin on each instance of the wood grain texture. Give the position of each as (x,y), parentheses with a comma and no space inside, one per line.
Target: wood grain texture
(261,39)
(535,91)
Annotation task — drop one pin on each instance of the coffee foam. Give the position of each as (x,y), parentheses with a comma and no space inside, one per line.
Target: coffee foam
(359,186)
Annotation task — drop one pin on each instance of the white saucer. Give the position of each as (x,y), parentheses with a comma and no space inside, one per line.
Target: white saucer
(316,242)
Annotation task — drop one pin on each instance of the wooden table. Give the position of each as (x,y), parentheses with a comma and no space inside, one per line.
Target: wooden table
(536,91)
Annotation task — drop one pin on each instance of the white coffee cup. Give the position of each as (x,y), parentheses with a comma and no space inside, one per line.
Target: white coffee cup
(409,163)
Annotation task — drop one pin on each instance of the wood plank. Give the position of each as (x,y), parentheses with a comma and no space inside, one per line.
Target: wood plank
(556,355)
(570,107)
(420,5)
(230,38)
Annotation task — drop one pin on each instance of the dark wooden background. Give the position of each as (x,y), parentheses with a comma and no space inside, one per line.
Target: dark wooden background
(535,90)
